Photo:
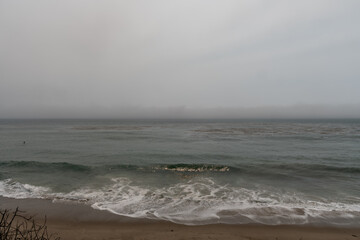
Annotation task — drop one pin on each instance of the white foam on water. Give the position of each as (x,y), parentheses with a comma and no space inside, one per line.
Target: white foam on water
(197,201)
(12,189)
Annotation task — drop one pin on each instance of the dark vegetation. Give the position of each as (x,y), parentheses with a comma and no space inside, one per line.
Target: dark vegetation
(15,225)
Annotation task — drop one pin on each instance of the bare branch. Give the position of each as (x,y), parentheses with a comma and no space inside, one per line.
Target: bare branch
(17,226)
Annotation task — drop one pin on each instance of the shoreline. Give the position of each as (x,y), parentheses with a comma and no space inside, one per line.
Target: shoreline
(79,221)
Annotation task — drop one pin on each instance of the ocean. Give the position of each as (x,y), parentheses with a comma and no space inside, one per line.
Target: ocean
(190,171)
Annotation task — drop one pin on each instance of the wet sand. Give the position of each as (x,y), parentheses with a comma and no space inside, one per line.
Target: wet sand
(80,222)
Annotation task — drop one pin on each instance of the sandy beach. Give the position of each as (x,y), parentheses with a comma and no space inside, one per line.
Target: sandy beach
(78,221)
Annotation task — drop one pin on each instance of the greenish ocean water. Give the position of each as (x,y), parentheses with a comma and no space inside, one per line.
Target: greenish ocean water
(190,171)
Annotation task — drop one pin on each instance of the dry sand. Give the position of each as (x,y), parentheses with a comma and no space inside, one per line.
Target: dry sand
(77,221)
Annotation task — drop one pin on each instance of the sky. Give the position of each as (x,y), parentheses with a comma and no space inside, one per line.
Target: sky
(179,58)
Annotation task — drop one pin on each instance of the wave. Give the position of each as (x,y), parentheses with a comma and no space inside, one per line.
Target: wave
(12,189)
(312,167)
(61,166)
(65,166)
(266,169)
(193,168)
(198,201)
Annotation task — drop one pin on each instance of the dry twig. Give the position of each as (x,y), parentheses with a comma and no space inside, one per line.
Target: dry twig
(14,225)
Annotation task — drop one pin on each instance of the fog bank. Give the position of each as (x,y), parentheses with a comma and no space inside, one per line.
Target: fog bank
(269,112)
(144,58)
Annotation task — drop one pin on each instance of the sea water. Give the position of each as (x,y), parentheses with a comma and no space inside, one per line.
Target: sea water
(190,171)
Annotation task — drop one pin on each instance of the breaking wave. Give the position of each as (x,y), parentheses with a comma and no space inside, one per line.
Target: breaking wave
(319,170)
(198,201)
(65,166)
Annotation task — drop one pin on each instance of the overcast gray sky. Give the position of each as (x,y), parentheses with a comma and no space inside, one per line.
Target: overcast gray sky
(179,58)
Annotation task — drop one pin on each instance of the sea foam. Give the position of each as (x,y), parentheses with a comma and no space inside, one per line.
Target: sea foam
(12,189)
(197,201)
